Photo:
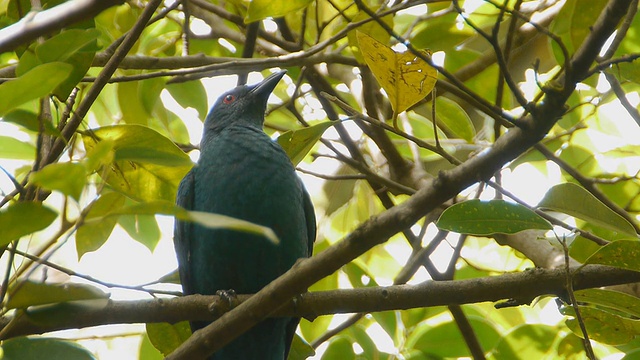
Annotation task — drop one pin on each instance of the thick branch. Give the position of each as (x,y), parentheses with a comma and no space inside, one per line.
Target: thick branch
(36,24)
(523,286)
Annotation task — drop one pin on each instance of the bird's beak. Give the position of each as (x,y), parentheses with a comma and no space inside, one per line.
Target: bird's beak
(264,88)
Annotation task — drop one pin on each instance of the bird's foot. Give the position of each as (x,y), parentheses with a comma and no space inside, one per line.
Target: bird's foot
(227,295)
(226,302)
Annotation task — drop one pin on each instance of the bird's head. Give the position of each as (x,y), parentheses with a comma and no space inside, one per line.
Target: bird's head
(242,105)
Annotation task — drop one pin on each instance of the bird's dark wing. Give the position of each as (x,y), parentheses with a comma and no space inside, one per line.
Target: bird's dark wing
(184,231)
(310,217)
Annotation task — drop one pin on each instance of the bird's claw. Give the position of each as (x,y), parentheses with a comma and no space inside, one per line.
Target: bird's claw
(228,296)
(225,302)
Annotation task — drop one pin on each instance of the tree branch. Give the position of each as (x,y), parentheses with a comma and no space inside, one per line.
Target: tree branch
(523,286)
(39,23)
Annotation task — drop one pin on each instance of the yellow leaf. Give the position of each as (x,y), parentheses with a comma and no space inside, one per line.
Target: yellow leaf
(405,77)
(372,28)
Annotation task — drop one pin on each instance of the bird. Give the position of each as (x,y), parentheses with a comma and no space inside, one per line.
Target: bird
(243,173)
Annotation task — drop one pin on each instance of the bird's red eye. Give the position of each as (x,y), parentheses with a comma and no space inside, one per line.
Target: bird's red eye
(229,99)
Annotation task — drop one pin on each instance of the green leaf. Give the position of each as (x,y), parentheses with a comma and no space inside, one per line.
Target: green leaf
(23,218)
(452,116)
(190,94)
(29,293)
(96,229)
(142,228)
(11,148)
(217,221)
(62,46)
(75,47)
(529,341)
(132,109)
(341,348)
(148,351)
(149,93)
(483,218)
(297,143)
(37,83)
(300,349)
(29,120)
(101,154)
(24,348)
(140,144)
(147,165)
(605,327)
(209,220)
(611,299)
(574,200)
(262,9)
(372,28)
(445,340)
(573,24)
(622,253)
(167,337)
(68,178)
(171,278)
(571,347)
(441,33)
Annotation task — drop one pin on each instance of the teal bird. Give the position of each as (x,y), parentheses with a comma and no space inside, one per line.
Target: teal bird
(244,174)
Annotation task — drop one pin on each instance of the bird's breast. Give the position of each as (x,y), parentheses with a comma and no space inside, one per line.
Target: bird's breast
(245,175)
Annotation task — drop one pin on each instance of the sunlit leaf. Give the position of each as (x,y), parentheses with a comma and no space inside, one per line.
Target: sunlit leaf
(75,47)
(405,77)
(528,341)
(209,220)
(297,143)
(65,44)
(140,144)
(446,341)
(29,293)
(149,93)
(68,178)
(483,218)
(142,228)
(171,278)
(217,221)
(96,229)
(23,218)
(167,337)
(101,154)
(611,299)
(148,351)
(605,327)
(340,347)
(571,347)
(300,349)
(452,116)
(24,348)
(38,82)
(574,200)
(573,23)
(372,28)
(622,253)
(29,120)
(11,148)
(190,94)
(147,165)
(132,109)
(261,9)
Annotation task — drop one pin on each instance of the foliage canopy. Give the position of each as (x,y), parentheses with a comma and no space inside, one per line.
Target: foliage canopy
(524,153)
